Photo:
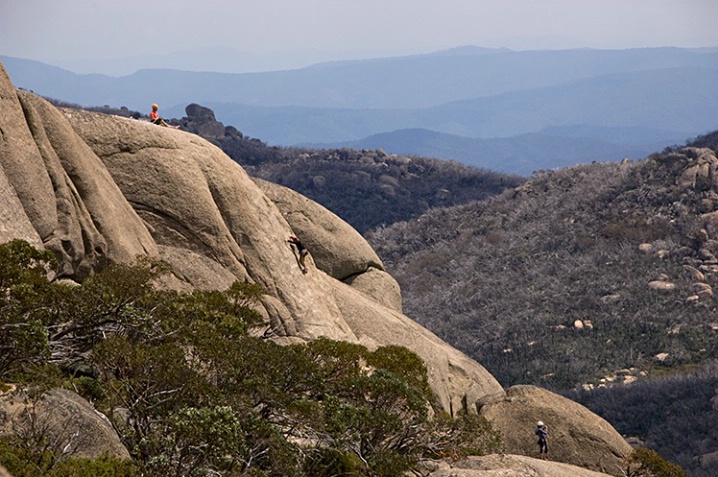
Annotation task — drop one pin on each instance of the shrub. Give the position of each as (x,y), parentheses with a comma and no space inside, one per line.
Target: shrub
(644,462)
(328,462)
(24,293)
(102,467)
(192,392)
(21,461)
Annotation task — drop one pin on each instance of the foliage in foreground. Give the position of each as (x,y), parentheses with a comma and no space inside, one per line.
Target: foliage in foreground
(192,392)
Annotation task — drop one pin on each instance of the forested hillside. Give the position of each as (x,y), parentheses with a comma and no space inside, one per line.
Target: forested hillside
(506,279)
(369,189)
(582,278)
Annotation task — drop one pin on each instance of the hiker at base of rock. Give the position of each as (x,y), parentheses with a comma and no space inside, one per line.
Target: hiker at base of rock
(542,433)
(155,118)
(302,249)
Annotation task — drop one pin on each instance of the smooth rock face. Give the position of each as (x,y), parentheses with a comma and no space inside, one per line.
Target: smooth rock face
(63,190)
(70,421)
(92,214)
(98,189)
(336,248)
(23,168)
(507,465)
(576,435)
(205,208)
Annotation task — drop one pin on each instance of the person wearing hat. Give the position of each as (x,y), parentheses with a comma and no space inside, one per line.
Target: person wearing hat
(542,433)
(157,119)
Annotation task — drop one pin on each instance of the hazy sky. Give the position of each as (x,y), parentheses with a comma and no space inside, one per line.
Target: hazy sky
(78,32)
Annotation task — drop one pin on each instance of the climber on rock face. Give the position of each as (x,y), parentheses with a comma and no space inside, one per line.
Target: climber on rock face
(302,249)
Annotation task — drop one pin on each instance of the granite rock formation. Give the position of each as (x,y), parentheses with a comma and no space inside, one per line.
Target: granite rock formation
(71,425)
(97,189)
(576,435)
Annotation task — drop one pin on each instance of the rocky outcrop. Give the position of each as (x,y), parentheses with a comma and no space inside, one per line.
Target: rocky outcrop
(507,465)
(337,249)
(70,424)
(113,188)
(701,173)
(201,120)
(699,252)
(576,435)
(99,189)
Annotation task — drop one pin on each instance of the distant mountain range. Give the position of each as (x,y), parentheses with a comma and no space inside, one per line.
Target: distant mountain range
(522,154)
(499,109)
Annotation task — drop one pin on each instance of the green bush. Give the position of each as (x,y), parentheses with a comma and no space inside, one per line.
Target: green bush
(102,467)
(644,462)
(326,462)
(88,387)
(192,392)
(24,294)
(21,461)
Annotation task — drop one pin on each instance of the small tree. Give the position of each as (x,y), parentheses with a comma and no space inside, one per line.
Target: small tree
(25,293)
(644,462)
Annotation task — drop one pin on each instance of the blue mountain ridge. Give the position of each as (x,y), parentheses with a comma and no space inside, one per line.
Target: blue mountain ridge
(624,102)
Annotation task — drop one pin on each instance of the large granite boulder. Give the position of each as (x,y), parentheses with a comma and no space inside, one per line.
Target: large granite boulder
(576,435)
(70,424)
(177,197)
(198,202)
(66,194)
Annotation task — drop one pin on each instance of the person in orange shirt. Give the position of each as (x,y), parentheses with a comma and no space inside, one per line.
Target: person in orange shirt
(157,119)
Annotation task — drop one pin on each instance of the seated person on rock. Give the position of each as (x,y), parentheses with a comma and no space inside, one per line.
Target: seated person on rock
(157,119)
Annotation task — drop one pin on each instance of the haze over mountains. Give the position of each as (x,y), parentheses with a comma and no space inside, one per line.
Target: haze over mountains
(503,110)
(99,190)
